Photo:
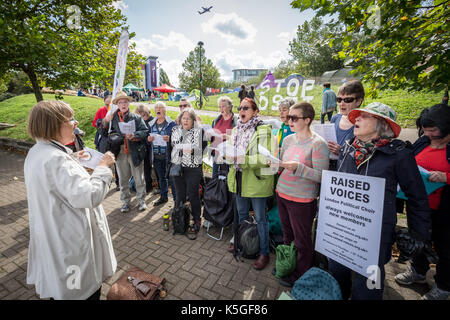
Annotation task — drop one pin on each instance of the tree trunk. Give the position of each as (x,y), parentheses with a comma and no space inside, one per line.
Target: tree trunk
(34,82)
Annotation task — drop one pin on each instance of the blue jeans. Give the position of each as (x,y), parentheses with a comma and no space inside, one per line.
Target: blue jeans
(259,207)
(322,117)
(161,168)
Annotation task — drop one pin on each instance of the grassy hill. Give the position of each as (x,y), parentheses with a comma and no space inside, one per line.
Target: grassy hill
(15,111)
(407,105)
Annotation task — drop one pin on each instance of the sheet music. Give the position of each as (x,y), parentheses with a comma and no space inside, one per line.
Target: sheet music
(91,158)
(158,141)
(267,154)
(328,133)
(127,127)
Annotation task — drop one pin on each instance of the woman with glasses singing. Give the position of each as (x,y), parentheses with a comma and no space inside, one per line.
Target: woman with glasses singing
(350,96)
(303,157)
(250,177)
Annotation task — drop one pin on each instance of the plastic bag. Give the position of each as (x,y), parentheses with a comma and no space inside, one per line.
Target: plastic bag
(286,260)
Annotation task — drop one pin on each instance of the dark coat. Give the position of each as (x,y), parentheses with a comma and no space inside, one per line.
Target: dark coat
(395,163)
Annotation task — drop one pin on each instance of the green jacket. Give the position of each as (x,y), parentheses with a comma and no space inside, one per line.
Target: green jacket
(257,178)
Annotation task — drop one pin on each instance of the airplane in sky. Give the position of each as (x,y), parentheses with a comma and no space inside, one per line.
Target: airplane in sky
(205,10)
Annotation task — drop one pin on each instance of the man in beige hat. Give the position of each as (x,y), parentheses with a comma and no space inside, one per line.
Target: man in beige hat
(130,149)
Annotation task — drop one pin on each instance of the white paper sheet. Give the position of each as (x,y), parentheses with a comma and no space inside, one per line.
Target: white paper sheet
(227,150)
(211,132)
(328,132)
(127,127)
(158,141)
(91,158)
(275,123)
(267,154)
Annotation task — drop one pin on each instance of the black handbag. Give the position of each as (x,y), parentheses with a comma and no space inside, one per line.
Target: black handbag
(175,170)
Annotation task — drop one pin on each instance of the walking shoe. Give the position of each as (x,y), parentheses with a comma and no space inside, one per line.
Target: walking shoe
(142,206)
(125,208)
(261,262)
(436,294)
(410,277)
(160,201)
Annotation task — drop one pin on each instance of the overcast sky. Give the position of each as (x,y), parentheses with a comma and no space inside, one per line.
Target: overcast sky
(236,33)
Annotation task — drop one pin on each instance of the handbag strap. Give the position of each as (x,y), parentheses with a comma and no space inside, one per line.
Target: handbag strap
(141,287)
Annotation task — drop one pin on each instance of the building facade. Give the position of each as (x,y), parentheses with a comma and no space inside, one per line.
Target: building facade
(242,75)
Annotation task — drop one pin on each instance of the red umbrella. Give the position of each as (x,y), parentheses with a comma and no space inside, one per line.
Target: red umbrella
(165,88)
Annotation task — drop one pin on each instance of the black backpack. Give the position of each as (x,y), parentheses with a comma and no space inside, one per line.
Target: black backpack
(180,218)
(246,240)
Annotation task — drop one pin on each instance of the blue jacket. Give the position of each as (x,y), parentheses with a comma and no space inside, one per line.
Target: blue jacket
(395,163)
(165,131)
(328,101)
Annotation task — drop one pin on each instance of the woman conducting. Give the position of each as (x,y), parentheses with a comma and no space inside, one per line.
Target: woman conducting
(374,152)
(70,251)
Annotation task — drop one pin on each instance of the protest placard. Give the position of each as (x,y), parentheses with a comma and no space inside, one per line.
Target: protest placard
(350,218)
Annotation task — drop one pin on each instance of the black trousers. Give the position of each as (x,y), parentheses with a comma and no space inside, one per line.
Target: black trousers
(148,174)
(188,184)
(440,236)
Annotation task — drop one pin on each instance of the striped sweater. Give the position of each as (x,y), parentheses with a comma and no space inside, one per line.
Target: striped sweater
(303,184)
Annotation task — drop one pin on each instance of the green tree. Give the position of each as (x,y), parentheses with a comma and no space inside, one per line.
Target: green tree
(190,77)
(59,45)
(163,77)
(398,44)
(311,51)
(284,69)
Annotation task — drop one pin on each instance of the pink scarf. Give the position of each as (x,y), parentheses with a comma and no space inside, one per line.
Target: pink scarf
(244,132)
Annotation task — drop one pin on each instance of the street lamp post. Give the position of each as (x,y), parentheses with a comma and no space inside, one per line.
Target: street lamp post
(200,44)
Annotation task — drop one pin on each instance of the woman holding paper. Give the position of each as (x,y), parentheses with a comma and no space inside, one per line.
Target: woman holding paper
(187,150)
(432,152)
(161,128)
(223,124)
(250,177)
(374,152)
(70,251)
(303,157)
(350,96)
(132,149)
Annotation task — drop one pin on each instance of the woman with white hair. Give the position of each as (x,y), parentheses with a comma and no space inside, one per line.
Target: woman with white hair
(187,150)
(223,125)
(162,125)
(374,152)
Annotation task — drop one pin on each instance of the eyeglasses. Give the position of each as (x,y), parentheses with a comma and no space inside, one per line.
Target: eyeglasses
(346,100)
(243,108)
(184,105)
(295,118)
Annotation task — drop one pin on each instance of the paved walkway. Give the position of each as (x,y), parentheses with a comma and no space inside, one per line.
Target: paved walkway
(200,269)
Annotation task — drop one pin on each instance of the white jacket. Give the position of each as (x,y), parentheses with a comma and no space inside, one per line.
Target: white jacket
(70,251)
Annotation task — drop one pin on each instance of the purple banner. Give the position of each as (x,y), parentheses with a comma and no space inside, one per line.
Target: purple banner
(153,77)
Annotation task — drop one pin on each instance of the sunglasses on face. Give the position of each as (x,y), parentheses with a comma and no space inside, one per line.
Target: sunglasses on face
(183,105)
(295,118)
(346,100)
(243,108)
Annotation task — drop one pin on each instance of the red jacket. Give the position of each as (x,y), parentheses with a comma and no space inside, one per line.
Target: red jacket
(100,114)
